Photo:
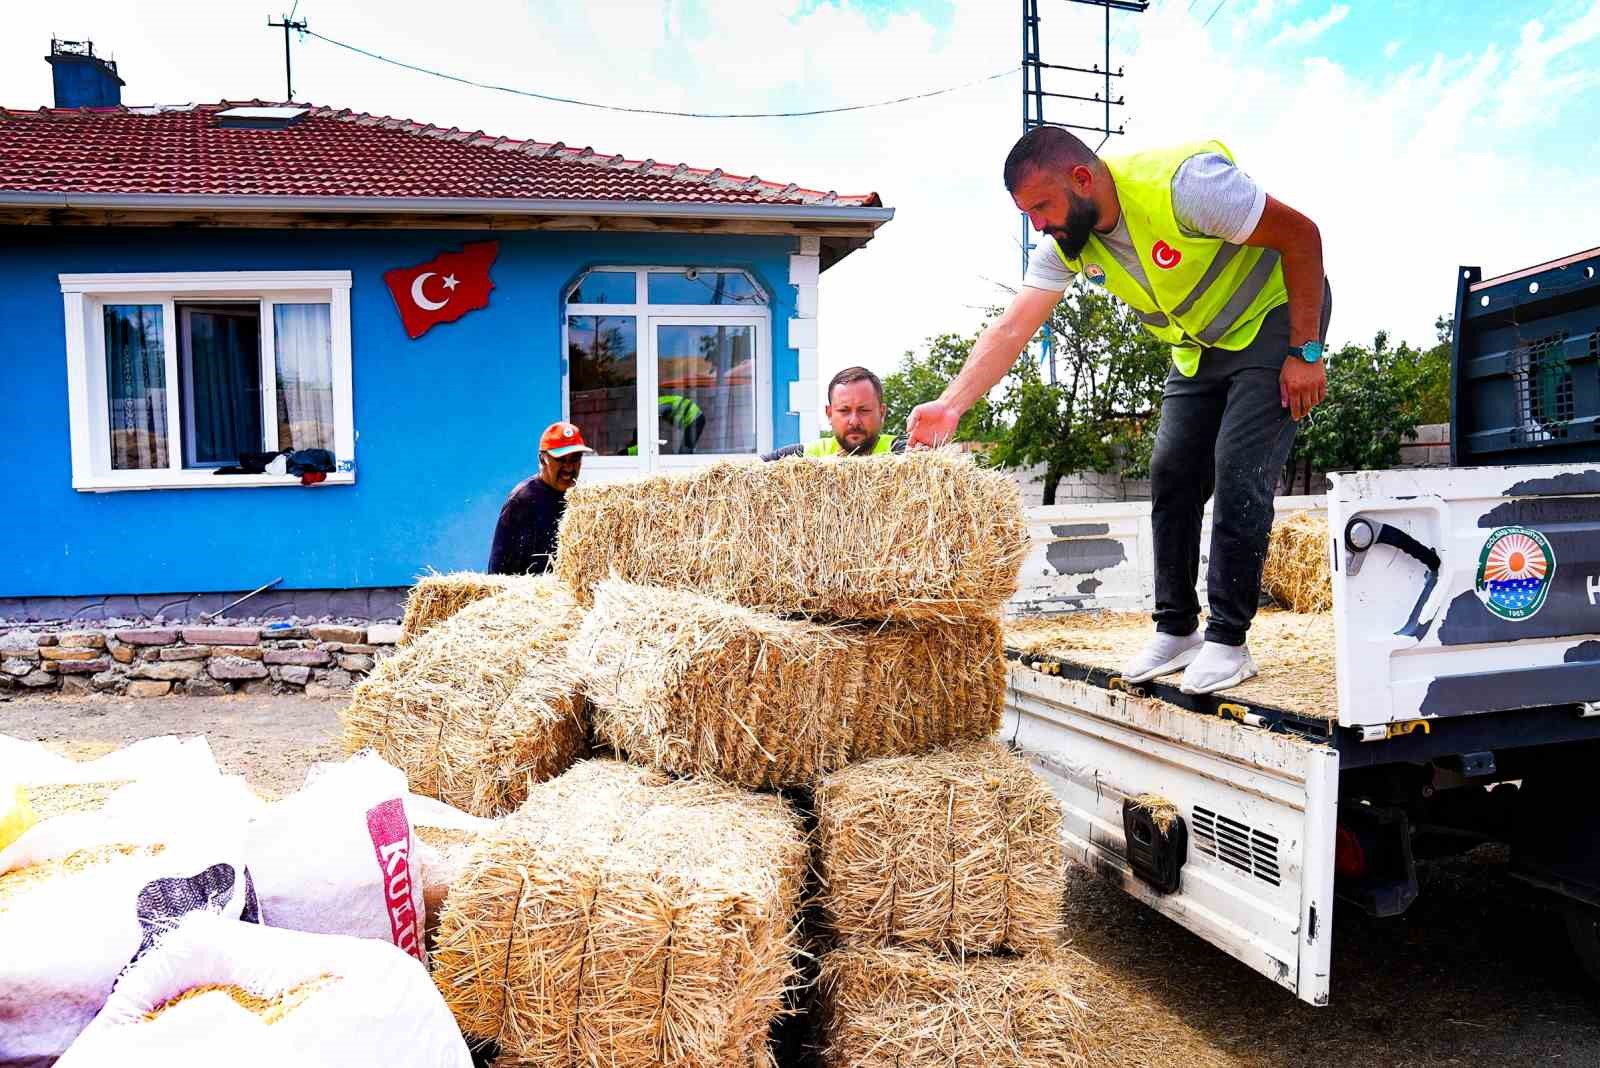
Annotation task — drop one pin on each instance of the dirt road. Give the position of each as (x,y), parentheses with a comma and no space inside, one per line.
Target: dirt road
(1476,973)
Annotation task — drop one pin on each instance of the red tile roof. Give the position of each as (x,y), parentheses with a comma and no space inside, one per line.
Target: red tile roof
(333,153)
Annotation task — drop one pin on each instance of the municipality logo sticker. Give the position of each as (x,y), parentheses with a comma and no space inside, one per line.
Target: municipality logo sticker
(1095,273)
(1514,572)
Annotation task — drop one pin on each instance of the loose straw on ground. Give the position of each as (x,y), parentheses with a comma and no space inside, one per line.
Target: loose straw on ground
(888,1008)
(926,535)
(1296,570)
(697,686)
(618,918)
(482,704)
(956,850)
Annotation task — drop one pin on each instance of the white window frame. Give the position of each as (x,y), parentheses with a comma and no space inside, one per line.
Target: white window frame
(84,295)
(646,317)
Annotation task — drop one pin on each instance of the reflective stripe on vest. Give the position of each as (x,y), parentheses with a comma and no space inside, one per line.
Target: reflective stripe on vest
(1197,292)
(830,446)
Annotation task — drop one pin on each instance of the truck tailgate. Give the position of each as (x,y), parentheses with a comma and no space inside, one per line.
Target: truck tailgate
(1260,808)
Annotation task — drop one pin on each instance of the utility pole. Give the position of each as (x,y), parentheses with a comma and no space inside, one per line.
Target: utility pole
(287,24)
(1034,95)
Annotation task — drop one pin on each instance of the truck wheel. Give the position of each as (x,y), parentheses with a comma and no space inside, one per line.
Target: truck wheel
(1583,931)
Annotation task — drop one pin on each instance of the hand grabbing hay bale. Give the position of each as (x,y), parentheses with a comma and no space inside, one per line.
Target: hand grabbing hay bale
(618,918)
(481,704)
(957,850)
(1296,570)
(696,686)
(889,1008)
(926,535)
(435,598)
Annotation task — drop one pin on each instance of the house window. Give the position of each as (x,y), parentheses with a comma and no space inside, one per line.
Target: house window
(173,378)
(681,352)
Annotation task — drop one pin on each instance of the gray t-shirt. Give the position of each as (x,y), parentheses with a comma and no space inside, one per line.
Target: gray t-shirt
(1210,196)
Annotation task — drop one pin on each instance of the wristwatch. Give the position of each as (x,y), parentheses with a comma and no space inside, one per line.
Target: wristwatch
(1311,352)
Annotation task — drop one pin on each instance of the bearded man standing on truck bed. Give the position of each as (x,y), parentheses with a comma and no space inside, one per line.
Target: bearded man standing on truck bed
(1232,279)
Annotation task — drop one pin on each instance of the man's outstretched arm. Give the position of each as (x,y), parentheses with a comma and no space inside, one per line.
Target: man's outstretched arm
(996,349)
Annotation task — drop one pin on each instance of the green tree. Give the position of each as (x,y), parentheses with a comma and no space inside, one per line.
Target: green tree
(1100,412)
(1433,374)
(922,377)
(1374,403)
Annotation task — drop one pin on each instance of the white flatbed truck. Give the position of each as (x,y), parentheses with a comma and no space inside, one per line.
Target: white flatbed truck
(1466,645)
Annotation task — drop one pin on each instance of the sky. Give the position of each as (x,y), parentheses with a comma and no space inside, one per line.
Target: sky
(1419,134)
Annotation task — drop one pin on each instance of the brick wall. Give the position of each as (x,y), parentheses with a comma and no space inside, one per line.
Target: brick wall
(1431,449)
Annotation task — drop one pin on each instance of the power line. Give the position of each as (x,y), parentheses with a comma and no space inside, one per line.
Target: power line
(1207,22)
(552,98)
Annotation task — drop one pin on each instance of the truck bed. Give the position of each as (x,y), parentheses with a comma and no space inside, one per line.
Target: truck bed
(1293,651)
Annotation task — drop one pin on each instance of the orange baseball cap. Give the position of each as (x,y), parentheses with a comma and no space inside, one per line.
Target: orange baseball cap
(562,439)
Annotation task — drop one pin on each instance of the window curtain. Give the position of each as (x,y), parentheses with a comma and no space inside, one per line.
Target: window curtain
(222,384)
(303,337)
(136,387)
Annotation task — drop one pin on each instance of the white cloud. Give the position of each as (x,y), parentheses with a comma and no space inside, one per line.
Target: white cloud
(1390,49)
(1407,171)
(1309,30)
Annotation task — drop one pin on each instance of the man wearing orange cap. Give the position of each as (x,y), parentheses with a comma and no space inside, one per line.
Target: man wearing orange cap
(525,537)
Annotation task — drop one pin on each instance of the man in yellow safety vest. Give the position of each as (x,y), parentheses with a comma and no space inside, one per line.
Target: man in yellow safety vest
(1232,279)
(855,412)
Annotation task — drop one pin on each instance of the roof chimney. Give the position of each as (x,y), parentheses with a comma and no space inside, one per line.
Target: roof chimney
(83,79)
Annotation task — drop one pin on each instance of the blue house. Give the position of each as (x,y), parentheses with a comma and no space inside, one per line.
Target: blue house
(401,308)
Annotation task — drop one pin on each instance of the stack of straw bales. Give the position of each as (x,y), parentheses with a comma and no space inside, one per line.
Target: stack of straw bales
(482,704)
(925,535)
(618,918)
(1296,572)
(942,879)
(697,686)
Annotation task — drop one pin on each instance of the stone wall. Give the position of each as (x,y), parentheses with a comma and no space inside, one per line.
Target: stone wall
(1431,449)
(317,659)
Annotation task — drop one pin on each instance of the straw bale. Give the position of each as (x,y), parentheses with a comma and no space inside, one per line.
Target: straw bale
(957,850)
(696,686)
(619,918)
(925,535)
(894,1008)
(482,704)
(436,597)
(1296,570)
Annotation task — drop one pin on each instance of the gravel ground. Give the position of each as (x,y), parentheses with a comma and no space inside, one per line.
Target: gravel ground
(1477,973)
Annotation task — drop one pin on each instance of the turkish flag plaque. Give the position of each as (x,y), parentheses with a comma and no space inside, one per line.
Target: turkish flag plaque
(443,289)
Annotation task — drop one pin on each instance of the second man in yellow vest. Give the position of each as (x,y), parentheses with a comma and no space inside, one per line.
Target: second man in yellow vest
(1232,280)
(855,412)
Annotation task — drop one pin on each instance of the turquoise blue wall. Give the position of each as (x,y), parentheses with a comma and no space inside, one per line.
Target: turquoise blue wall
(447,424)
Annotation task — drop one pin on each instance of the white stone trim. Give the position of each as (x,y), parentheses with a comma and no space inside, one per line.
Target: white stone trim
(805,271)
(84,294)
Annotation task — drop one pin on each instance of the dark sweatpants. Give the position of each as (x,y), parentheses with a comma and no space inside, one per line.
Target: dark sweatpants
(1224,430)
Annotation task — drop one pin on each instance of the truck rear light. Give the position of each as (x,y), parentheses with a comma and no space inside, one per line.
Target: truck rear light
(1349,858)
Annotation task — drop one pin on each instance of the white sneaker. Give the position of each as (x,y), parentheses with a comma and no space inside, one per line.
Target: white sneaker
(1218,667)
(1165,654)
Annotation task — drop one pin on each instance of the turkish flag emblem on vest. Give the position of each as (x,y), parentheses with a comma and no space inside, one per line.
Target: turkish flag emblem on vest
(443,289)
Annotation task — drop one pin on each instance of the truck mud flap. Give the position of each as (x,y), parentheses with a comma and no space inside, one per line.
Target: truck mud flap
(1258,808)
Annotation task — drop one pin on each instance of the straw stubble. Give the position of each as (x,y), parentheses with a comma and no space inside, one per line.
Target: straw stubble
(482,704)
(696,686)
(925,535)
(619,918)
(956,851)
